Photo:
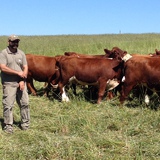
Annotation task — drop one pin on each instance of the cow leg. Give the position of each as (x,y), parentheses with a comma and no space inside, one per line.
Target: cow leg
(50,88)
(31,87)
(63,92)
(147,96)
(125,90)
(73,86)
(146,99)
(47,89)
(110,95)
(143,93)
(113,93)
(64,96)
(101,91)
(93,92)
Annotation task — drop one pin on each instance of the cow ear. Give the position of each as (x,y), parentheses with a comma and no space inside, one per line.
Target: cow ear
(125,52)
(108,52)
(66,53)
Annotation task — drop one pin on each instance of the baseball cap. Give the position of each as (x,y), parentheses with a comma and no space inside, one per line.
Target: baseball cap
(13,37)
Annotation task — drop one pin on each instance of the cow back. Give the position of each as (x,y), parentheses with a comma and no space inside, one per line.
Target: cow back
(88,69)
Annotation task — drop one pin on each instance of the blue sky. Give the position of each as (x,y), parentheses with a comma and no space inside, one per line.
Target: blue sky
(65,17)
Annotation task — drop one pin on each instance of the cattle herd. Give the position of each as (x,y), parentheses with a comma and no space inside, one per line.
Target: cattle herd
(116,69)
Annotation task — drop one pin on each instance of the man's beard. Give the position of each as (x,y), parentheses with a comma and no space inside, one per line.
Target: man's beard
(14,46)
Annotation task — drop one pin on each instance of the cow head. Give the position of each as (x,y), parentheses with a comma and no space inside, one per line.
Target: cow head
(115,53)
(157,53)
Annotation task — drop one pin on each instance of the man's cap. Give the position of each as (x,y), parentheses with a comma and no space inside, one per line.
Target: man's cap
(13,37)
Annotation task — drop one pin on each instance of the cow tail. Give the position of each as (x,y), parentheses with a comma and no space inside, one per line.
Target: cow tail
(56,76)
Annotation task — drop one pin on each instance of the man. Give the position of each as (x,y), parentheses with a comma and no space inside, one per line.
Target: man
(14,69)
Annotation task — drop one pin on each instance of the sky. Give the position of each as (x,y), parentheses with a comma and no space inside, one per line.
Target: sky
(74,17)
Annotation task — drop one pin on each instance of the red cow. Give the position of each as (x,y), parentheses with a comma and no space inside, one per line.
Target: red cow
(138,70)
(74,54)
(146,71)
(105,73)
(110,94)
(42,69)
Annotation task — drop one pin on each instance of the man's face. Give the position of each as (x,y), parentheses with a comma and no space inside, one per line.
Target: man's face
(14,44)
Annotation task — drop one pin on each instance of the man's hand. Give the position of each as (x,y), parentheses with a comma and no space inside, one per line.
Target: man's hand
(22,74)
(21,85)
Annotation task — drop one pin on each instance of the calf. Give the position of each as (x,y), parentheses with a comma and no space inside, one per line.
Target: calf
(105,73)
(42,69)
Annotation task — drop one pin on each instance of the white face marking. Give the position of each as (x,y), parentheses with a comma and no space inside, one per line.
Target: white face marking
(64,96)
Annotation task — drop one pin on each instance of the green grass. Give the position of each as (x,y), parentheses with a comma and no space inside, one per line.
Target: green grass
(81,129)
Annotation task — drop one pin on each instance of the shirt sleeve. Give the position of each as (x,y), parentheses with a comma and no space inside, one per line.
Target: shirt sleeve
(24,60)
(3,59)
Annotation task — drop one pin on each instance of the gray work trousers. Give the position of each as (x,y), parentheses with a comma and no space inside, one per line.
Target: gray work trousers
(12,92)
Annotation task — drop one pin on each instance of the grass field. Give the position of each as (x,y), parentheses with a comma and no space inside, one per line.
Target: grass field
(80,129)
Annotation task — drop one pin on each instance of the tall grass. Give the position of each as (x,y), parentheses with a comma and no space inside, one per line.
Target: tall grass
(88,44)
(80,129)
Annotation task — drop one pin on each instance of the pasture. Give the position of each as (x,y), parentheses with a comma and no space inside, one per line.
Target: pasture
(81,129)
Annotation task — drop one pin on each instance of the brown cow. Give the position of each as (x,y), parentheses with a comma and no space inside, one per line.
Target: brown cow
(75,54)
(90,71)
(110,94)
(139,70)
(146,71)
(42,69)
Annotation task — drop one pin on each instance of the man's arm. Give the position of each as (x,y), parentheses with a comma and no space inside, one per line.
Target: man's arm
(8,70)
(25,70)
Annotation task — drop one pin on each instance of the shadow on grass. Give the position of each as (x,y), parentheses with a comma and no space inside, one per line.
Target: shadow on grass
(52,94)
(91,96)
(2,122)
(139,103)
